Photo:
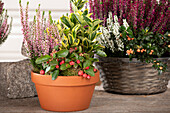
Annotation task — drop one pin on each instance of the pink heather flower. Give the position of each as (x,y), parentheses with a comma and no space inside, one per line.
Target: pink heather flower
(138,13)
(37,39)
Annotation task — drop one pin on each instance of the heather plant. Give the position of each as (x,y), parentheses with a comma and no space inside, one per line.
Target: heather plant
(120,41)
(110,36)
(5,28)
(40,35)
(76,54)
(138,13)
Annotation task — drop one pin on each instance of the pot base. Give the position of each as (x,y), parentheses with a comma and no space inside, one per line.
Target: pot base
(63,99)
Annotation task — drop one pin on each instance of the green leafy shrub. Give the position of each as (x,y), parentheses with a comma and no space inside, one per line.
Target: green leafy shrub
(75,56)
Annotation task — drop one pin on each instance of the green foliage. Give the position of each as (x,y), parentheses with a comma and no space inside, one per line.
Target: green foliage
(42,59)
(79,30)
(62,53)
(55,74)
(146,46)
(90,72)
(65,68)
(78,4)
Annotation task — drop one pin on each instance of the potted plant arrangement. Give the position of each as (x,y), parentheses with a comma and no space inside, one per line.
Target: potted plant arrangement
(134,43)
(65,77)
(5,28)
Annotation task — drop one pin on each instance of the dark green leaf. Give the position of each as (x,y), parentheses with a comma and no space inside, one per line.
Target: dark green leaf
(80,64)
(47,69)
(50,68)
(65,66)
(54,62)
(90,72)
(42,59)
(55,74)
(87,63)
(62,53)
(67,60)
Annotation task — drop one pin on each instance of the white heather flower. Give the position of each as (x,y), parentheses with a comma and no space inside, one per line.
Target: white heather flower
(106,37)
(111,35)
(125,24)
(115,18)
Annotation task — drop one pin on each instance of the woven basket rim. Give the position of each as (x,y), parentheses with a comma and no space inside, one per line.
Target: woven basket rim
(127,59)
(134,58)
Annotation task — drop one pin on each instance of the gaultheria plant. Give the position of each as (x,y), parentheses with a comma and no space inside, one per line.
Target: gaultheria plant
(5,28)
(138,13)
(40,35)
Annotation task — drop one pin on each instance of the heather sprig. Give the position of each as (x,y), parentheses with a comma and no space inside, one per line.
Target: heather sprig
(138,13)
(40,35)
(5,28)
(110,37)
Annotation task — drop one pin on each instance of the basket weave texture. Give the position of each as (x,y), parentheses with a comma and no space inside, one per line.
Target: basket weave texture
(120,75)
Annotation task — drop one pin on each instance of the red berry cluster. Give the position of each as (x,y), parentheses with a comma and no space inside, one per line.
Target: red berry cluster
(81,73)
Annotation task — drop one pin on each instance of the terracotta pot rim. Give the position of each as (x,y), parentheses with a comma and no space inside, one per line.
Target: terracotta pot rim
(63,80)
(58,76)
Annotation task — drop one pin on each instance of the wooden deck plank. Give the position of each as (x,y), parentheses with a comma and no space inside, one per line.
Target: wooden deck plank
(102,102)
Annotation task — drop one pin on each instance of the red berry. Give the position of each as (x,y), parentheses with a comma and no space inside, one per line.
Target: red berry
(84,75)
(57,66)
(75,48)
(87,68)
(94,70)
(42,72)
(47,62)
(78,61)
(80,73)
(57,59)
(62,62)
(71,63)
(88,76)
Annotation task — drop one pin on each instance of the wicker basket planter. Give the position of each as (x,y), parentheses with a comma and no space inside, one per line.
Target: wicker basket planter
(120,75)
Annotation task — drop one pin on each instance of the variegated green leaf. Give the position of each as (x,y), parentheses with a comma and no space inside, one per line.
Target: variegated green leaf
(65,20)
(65,42)
(71,39)
(76,42)
(85,12)
(85,42)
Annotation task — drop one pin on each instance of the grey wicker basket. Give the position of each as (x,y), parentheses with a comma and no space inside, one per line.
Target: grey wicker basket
(120,75)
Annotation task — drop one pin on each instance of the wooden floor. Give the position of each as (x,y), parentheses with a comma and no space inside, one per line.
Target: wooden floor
(102,102)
